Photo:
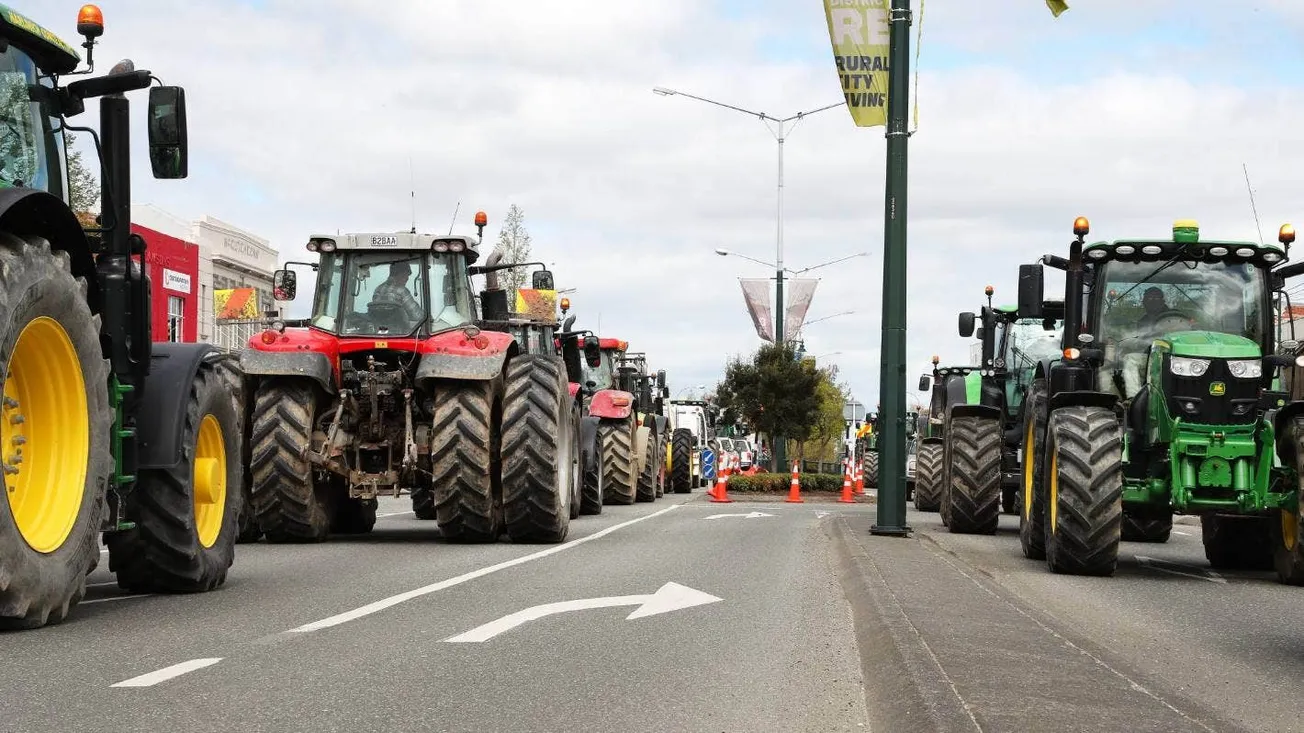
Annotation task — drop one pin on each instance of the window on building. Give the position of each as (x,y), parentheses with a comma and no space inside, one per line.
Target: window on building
(176,318)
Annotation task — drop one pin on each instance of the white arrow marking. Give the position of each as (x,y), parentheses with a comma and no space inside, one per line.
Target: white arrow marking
(821,515)
(670,597)
(1199,573)
(752,515)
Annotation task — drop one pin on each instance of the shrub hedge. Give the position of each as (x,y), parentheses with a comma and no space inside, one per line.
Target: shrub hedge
(781,482)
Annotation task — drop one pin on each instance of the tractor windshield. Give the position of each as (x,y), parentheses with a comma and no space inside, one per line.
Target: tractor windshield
(31,139)
(391,293)
(1027,343)
(601,376)
(1138,302)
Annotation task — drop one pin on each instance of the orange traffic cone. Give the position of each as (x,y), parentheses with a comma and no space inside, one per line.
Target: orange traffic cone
(721,495)
(860,476)
(847,497)
(794,492)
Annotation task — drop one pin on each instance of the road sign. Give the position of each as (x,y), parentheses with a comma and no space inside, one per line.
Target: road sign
(752,515)
(669,597)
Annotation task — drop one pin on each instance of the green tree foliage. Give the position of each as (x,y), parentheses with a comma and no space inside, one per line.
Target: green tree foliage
(514,242)
(84,189)
(774,393)
(830,427)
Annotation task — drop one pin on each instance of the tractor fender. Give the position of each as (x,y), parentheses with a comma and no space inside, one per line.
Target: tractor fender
(641,436)
(1107,400)
(310,364)
(161,414)
(957,390)
(975,411)
(589,440)
(1281,423)
(29,212)
(461,366)
(604,404)
(574,388)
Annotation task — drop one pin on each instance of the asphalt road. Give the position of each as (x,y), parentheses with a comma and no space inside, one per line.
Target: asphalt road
(353,634)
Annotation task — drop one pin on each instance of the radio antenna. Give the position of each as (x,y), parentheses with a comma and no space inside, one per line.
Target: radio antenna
(412,173)
(1253,208)
(452,223)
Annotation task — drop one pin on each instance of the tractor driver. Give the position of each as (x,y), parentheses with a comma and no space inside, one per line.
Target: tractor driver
(1155,306)
(395,291)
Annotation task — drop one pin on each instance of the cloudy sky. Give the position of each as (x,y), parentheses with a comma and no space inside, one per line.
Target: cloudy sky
(309,116)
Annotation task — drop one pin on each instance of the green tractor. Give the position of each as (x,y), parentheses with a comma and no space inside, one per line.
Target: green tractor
(1166,400)
(103,431)
(983,433)
(948,386)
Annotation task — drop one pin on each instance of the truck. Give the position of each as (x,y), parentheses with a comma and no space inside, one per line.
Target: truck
(104,433)
(1166,399)
(692,463)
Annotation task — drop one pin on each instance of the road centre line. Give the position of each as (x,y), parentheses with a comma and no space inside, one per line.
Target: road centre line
(167,673)
(384,603)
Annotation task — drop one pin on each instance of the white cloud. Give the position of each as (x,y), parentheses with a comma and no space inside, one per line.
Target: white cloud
(548,105)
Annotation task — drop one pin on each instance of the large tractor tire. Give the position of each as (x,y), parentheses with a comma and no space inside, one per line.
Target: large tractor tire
(187,517)
(973,475)
(540,449)
(288,504)
(928,477)
(649,468)
(1288,530)
(1032,490)
(1084,491)
(423,499)
(619,474)
(591,447)
(871,469)
(1151,529)
(466,463)
(681,458)
(233,380)
(1238,543)
(56,408)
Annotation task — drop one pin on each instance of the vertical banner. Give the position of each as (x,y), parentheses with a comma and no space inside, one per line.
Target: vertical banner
(537,305)
(800,294)
(1057,7)
(756,293)
(859,31)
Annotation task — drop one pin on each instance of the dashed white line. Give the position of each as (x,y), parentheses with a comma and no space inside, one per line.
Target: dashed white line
(167,673)
(1184,534)
(385,603)
(115,598)
(393,514)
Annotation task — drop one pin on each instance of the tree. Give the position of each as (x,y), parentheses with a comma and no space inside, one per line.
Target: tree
(830,426)
(514,242)
(773,392)
(83,189)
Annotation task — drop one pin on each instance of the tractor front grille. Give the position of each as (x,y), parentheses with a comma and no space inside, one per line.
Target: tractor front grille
(1198,400)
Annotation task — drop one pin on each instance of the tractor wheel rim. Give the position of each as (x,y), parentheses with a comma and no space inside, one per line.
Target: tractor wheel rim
(1053,482)
(1289,529)
(209,481)
(1027,470)
(45,435)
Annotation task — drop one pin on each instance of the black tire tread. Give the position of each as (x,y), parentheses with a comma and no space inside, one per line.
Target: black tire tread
(464,452)
(681,455)
(1148,529)
(1088,445)
(618,477)
(974,475)
(646,490)
(871,469)
(535,449)
(928,477)
(286,503)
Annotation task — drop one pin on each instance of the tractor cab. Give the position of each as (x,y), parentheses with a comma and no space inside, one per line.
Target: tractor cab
(947,385)
(1011,346)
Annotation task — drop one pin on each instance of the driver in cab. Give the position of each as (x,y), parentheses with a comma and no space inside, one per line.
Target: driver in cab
(1147,328)
(1155,306)
(394,291)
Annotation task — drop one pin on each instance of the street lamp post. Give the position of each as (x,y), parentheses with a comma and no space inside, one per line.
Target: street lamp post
(780,128)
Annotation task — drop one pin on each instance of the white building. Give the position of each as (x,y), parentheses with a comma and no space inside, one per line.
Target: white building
(230,258)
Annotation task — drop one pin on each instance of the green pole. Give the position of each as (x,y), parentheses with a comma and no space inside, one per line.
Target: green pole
(891,519)
(780,443)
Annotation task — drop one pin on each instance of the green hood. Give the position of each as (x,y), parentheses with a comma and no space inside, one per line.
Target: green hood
(1212,344)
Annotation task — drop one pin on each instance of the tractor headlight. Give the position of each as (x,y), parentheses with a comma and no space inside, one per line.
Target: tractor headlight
(1184,366)
(1246,368)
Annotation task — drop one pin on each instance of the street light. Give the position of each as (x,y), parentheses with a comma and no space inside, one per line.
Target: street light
(686,389)
(728,253)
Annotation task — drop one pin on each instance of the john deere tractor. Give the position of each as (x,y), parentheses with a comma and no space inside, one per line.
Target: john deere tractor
(983,426)
(1165,400)
(102,429)
(948,386)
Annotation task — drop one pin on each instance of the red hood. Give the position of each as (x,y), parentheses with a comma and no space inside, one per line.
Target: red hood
(611,403)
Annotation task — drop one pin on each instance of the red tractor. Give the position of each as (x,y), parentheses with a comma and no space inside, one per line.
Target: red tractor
(630,450)
(398,383)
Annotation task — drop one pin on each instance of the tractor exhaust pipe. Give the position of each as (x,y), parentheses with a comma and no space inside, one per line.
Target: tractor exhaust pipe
(491,278)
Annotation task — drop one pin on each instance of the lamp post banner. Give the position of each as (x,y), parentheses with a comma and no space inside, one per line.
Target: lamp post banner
(756,293)
(859,31)
(800,294)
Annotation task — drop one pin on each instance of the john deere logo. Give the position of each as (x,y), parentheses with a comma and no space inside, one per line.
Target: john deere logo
(1217,389)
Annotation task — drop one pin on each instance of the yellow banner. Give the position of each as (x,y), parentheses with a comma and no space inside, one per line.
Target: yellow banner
(538,305)
(235,303)
(1057,7)
(859,30)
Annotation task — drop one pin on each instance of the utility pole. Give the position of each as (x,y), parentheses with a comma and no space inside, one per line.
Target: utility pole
(891,518)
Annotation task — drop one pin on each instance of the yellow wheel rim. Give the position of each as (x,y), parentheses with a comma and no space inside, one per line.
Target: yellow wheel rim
(44,435)
(1289,529)
(1027,470)
(209,481)
(1054,487)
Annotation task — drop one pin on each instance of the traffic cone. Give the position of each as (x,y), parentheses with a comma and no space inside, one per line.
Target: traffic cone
(860,476)
(721,495)
(794,492)
(847,497)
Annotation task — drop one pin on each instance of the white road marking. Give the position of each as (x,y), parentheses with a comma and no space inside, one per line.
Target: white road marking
(669,597)
(167,673)
(752,515)
(101,585)
(115,598)
(384,603)
(1199,573)
(393,514)
(1184,534)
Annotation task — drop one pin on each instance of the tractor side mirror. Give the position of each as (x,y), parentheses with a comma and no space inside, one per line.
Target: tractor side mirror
(284,283)
(924,383)
(1031,290)
(592,351)
(167,132)
(542,280)
(966,325)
